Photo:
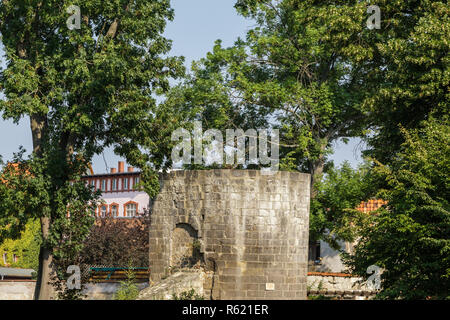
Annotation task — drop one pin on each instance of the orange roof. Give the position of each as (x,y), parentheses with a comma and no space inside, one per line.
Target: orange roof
(370,205)
(12,167)
(15,167)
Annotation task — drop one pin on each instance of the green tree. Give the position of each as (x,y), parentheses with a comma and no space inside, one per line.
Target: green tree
(410,239)
(408,72)
(406,91)
(333,210)
(83,90)
(294,72)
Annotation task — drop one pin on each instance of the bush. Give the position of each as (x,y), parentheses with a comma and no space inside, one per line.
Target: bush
(188,295)
(114,242)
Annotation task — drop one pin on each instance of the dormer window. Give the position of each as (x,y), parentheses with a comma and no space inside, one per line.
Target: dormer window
(125,183)
(114,184)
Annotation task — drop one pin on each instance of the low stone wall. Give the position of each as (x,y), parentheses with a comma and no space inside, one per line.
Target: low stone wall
(106,290)
(338,286)
(24,290)
(333,285)
(17,289)
(178,283)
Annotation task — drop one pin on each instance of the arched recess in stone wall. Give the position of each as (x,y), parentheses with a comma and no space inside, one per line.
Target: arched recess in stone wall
(184,247)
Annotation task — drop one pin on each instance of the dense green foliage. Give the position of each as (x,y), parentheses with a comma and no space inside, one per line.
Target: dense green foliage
(409,72)
(406,91)
(84,90)
(26,248)
(291,72)
(410,239)
(333,210)
(114,242)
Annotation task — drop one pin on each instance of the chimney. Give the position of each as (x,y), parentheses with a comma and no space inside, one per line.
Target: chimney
(113,170)
(130,169)
(121,166)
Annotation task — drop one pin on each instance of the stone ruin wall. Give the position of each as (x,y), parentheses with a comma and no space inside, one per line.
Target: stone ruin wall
(249,232)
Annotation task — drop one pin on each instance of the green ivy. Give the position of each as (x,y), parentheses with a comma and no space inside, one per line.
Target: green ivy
(26,248)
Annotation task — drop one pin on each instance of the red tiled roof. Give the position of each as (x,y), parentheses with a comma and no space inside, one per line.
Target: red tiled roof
(370,205)
(13,168)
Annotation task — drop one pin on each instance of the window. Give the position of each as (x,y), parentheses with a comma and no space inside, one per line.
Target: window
(125,183)
(14,258)
(114,184)
(317,256)
(103,185)
(93,183)
(130,210)
(114,210)
(136,181)
(4,258)
(103,211)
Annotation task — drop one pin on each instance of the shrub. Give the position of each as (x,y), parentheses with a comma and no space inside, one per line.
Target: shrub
(188,295)
(114,242)
(128,289)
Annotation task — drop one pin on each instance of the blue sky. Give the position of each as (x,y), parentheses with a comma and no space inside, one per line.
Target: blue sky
(197,24)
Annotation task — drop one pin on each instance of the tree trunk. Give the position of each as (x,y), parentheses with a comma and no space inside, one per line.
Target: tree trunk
(316,174)
(43,290)
(316,170)
(37,124)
